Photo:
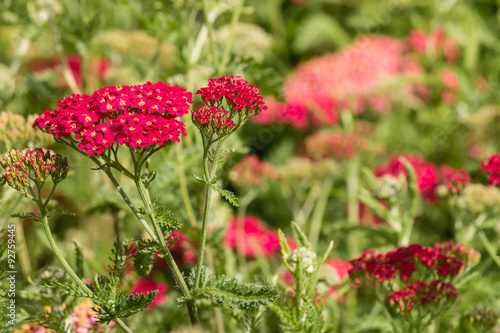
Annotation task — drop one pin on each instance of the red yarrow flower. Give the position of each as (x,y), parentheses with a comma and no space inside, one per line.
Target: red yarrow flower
(141,116)
(420,294)
(454,179)
(242,99)
(491,165)
(250,171)
(144,286)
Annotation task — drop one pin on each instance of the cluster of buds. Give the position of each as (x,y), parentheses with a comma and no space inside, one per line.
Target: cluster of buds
(482,319)
(426,173)
(242,99)
(339,146)
(303,256)
(478,198)
(251,172)
(16,132)
(491,166)
(141,116)
(23,166)
(301,168)
(390,188)
(420,294)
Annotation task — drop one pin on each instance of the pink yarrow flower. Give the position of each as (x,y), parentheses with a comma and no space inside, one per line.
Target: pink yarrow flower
(252,238)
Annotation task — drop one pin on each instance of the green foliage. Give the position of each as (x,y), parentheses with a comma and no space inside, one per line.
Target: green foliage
(58,210)
(80,270)
(166,218)
(25,216)
(228,195)
(143,262)
(230,292)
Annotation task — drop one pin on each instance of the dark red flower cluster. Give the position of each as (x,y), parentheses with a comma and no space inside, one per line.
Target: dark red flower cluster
(491,165)
(143,285)
(339,146)
(251,171)
(403,262)
(454,179)
(252,238)
(242,98)
(138,116)
(426,173)
(420,294)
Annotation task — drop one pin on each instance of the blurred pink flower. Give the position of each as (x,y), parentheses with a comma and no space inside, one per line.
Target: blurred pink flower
(143,285)
(253,238)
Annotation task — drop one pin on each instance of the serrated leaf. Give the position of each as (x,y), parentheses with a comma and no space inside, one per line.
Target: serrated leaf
(167,219)
(285,249)
(244,296)
(300,237)
(143,262)
(58,210)
(228,195)
(24,215)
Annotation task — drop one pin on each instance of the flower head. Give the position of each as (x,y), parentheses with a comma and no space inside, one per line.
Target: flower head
(454,179)
(23,166)
(491,165)
(141,116)
(242,99)
(85,319)
(420,294)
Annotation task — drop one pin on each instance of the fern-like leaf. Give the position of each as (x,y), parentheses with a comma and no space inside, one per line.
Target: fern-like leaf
(58,210)
(228,195)
(143,262)
(24,215)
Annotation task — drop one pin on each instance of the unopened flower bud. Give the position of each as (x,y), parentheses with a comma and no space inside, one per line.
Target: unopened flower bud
(308,259)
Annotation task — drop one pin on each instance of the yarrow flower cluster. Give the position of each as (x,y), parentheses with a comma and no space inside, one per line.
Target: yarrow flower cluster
(339,146)
(422,294)
(32,328)
(454,179)
(403,262)
(251,236)
(426,173)
(16,132)
(23,166)
(491,165)
(242,99)
(251,172)
(141,116)
(435,43)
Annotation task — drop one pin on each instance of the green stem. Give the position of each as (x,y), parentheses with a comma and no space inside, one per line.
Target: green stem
(489,247)
(352,190)
(71,272)
(209,176)
(319,212)
(229,42)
